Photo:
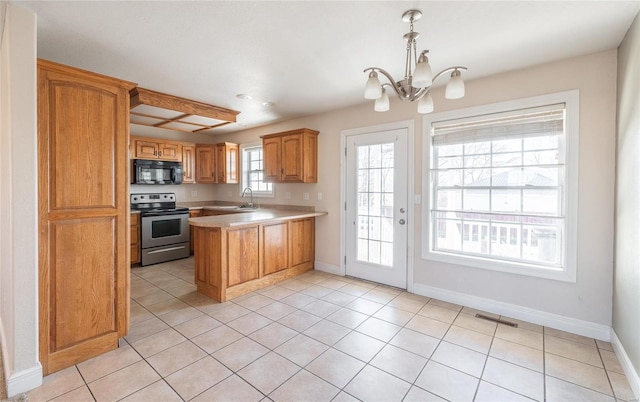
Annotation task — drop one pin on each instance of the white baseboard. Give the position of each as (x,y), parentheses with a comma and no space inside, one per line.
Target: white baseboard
(25,380)
(329,268)
(632,375)
(568,324)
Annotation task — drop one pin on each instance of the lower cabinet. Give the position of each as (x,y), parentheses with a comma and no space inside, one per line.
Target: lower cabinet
(275,247)
(230,262)
(194,213)
(135,238)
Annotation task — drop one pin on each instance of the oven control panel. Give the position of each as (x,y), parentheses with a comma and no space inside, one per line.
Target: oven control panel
(152,198)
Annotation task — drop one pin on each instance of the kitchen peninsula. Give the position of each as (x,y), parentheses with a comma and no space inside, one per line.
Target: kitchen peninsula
(237,253)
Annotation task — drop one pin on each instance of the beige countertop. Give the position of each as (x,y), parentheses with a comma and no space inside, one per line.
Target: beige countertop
(250,218)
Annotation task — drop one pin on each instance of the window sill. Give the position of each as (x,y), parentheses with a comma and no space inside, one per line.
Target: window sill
(564,275)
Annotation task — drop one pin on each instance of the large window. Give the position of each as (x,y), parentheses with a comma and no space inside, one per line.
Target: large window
(253,171)
(500,189)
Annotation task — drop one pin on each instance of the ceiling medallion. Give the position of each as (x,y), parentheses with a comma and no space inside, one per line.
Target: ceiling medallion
(416,85)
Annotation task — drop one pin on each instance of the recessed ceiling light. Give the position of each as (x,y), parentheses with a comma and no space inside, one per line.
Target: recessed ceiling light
(243,96)
(268,104)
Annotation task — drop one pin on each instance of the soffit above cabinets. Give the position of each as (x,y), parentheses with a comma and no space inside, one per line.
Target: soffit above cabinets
(155,109)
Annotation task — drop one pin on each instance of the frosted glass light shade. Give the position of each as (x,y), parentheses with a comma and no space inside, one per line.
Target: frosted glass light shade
(455,86)
(373,90)
(425,104)
(422,76)
(382,103)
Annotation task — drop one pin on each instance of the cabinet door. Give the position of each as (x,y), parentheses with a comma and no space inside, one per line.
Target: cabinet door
(193,214)
(302,241)
(310,158)
(275,248)
(232,163)
(84,244)
(146,150)
(227,163)
(205,167)
(188,163)
(242,255)
(292,158)
(135,238)
(221,159)
(169,152)
(271,153)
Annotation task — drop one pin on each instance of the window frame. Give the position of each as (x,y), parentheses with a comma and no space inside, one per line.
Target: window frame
(244,172)
(567,271)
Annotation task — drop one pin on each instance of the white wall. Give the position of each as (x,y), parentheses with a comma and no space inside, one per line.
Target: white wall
(588,302)
(626,299)
(18,201)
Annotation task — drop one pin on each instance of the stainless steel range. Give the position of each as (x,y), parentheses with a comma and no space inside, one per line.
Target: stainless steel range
(164,228)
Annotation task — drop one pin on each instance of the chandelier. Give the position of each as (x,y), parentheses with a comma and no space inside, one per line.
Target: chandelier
(416,86)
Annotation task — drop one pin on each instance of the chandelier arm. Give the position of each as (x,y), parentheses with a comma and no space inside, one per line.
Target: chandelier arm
(391,83)
(446,70)
(422,92)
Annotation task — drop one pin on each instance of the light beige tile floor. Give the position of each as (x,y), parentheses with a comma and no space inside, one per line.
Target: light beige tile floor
(321,337)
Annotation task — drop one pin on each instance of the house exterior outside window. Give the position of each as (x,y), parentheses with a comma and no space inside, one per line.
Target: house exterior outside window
(502,186)
(253,171)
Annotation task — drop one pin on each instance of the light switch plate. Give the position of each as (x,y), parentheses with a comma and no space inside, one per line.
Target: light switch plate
(319,196)
(305,196)
(194,193)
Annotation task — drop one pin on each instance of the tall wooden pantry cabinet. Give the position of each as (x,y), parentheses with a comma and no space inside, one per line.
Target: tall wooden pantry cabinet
(83,131)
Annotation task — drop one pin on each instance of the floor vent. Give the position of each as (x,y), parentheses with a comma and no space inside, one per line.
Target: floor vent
(499,321)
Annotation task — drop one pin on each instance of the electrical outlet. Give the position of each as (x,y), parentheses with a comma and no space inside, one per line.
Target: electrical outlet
(319,196)
(287,195)
(194,193)
(305,196)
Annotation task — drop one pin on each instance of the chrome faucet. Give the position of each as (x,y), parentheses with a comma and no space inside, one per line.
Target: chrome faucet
(250,205)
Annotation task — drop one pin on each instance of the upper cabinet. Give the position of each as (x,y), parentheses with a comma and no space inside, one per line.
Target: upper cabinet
(227,163)
(205,163)
(150,148)
(156,109)
(217,163)
(291,156)
(188,162)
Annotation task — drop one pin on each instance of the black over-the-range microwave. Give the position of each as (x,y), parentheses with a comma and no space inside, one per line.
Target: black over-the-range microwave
(156,172)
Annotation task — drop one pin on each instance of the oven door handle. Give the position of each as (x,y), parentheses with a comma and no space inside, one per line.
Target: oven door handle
(160,213)
(164,250)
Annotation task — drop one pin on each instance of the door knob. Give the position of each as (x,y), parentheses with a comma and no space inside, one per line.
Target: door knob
(402,210)
(401,221)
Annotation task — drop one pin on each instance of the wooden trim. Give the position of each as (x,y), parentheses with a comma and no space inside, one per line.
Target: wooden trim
(142,96)
(296,131)
(84,74)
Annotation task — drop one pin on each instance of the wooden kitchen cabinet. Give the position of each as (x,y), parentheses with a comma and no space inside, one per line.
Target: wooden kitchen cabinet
(302,241)
(275,247)
(135,238)
(217,163)
(188,162)
(205,163)
(291,156)
(227,163)
(233,261)
(150,148)
(194,213)
(84,219)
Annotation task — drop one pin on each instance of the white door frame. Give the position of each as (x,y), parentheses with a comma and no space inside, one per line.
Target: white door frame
(409,125)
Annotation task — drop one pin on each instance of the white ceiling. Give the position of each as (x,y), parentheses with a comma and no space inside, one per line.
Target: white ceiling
(308,56)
